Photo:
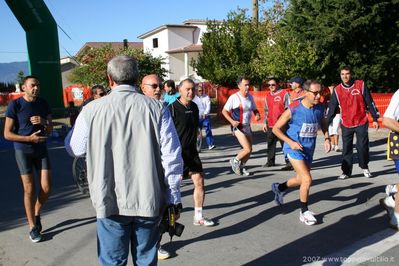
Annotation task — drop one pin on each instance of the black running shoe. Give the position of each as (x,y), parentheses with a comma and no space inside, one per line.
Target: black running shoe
(35,235)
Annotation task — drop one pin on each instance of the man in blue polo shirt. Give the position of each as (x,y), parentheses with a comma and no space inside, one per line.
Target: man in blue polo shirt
(28,120)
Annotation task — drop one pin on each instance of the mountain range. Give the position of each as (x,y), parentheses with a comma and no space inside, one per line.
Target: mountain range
(9,71)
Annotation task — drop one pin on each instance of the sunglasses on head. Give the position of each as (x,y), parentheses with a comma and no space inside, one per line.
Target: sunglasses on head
(154,86)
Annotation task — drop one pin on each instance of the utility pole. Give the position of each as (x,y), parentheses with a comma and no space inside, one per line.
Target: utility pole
(255,12)
(255,20)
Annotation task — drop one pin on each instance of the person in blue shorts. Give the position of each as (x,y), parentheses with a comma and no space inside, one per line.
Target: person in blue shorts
(303,119)
(28,120)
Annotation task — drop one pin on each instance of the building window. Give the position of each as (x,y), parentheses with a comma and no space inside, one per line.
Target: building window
(155,43)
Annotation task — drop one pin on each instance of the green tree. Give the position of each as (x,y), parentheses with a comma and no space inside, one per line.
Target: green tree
(229,47)
(281,54)
(358,33)
(94,64)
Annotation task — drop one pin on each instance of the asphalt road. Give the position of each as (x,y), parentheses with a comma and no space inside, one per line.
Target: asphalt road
(250,230)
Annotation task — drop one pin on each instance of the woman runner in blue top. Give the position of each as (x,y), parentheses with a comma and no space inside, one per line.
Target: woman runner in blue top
(303,119)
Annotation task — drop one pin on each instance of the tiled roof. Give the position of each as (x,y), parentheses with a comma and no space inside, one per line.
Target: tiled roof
(190,48)
(162,27)
(114,45)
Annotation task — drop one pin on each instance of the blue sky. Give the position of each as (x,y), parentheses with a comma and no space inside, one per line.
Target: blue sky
(108,20)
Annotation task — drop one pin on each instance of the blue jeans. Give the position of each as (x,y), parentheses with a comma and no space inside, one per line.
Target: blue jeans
(396,165)
(206,123)
(116,233)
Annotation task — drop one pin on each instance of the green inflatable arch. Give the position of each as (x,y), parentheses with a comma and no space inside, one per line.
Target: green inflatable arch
(43,49)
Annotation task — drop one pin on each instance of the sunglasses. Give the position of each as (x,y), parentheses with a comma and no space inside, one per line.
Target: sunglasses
(315,93)
(272,85)
(154,86)
(101,94)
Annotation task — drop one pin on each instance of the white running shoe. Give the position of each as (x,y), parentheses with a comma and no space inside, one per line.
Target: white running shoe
(391,189)
(203,221)
(394,221)
(278,195)
(235,166)
(366,173)
(307,218)
(343,176)
(388,204)
(163,254)
(245,172)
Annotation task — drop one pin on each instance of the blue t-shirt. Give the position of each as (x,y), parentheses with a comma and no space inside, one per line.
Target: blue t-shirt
(170,98)
(303,126)
(20,111)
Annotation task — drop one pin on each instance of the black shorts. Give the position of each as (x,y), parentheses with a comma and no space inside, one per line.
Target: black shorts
(26,160)
(192,162)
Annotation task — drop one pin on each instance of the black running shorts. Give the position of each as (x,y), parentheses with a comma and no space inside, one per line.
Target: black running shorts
(26,160)
(192,162)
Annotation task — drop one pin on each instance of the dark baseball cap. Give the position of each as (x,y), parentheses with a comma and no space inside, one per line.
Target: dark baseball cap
(296,79)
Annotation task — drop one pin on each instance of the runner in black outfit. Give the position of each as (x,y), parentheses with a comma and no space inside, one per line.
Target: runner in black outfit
(186,119)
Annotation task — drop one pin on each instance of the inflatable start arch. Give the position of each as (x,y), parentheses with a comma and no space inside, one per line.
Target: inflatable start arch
(43,48)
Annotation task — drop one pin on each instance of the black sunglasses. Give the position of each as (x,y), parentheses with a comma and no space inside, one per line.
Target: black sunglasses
(154,86)
(315,93)
(101,94)
(271,85)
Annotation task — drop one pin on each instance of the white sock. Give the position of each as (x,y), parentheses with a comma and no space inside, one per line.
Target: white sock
(197,213)
(333,147)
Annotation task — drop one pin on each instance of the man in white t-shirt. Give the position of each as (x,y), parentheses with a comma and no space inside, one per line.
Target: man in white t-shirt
(204,107)
(238,111)
(391,202)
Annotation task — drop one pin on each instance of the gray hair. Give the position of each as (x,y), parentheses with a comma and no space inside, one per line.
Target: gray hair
(186,80)
(309,82)
(123,69)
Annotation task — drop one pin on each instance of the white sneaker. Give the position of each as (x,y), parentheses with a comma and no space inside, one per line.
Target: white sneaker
(245,172)
(337,149)
(235,166)
(163,254)
(278,195)
(307,218)
(203,221)
(391,189)
(394,221)
(211,147)
(366,173)
(388,204)
(343,176)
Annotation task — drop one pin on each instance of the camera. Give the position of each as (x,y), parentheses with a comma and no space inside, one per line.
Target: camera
(168,223)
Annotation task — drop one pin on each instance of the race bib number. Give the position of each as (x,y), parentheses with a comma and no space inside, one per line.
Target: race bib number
(309,130)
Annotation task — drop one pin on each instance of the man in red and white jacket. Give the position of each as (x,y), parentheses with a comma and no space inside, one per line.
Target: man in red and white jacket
(276,101)
(354,100)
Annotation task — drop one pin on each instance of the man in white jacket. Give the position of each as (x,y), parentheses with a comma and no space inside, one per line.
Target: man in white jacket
(204,107)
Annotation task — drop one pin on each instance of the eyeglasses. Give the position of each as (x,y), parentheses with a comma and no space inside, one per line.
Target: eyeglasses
(154,86)
(315,93)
